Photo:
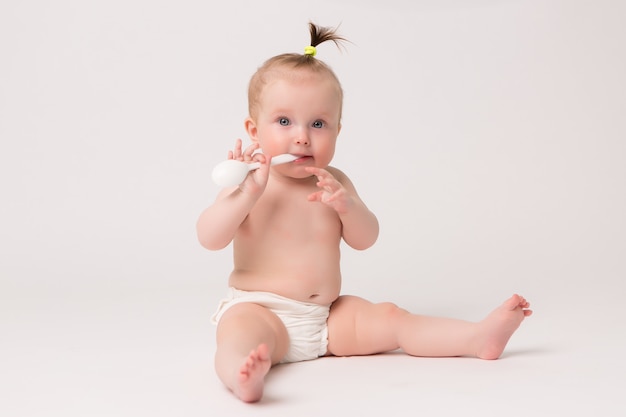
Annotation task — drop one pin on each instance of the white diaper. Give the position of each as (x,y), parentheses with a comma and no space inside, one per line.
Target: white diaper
(306,323)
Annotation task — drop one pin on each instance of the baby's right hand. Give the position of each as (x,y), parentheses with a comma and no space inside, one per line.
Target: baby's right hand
(256,180)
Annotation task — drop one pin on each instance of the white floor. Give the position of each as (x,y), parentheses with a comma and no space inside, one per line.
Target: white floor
(135,352)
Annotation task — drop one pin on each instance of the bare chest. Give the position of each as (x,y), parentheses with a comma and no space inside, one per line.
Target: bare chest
(288,216)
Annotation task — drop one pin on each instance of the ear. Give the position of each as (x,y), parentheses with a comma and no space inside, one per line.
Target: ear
(250,127)
(339,129)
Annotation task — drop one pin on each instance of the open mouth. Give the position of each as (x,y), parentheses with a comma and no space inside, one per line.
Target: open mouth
(302,159)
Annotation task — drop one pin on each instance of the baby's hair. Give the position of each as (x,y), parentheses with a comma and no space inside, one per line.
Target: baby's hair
(280,65)
(321,34)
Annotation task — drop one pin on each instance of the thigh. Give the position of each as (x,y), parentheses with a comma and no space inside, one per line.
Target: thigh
(245,326)
(359,327)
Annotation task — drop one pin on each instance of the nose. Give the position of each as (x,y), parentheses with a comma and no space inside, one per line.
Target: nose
(302,138)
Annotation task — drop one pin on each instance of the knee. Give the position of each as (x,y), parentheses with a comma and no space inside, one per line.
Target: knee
(390,311)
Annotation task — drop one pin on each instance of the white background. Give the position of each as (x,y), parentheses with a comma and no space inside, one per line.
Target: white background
(488,137)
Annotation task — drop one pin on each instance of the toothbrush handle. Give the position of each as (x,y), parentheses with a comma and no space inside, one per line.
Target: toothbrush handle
(277,160)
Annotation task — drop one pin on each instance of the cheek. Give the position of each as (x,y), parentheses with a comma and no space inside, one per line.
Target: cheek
(326,147)
(271,141)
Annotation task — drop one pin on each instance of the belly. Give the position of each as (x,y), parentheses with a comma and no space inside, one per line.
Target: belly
(308,283)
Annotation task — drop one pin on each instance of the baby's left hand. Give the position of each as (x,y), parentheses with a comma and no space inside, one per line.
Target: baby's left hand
(332,192)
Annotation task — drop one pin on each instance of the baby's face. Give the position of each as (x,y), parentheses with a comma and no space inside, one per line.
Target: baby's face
(300,115)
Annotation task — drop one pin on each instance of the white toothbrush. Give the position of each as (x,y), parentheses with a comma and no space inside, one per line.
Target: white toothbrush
(233,172)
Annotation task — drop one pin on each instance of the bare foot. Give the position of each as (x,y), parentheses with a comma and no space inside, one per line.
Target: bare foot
(500,324)
(249,382)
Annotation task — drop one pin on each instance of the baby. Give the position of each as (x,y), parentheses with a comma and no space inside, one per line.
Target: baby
(286,223)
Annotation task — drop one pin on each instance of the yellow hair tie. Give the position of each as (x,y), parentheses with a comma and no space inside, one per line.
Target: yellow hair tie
(310,50)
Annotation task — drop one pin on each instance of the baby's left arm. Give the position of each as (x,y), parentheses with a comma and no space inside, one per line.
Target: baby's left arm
(360,226)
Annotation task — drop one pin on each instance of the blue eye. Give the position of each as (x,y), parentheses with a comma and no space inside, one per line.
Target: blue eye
(318,124)
(283,121)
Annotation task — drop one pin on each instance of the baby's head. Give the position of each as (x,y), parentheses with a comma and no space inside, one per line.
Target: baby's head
(294,66)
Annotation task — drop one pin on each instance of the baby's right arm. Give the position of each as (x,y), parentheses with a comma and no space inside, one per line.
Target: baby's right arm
(217,224)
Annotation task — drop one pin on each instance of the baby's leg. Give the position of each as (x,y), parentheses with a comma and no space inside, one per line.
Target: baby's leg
(250,338)
(358,327)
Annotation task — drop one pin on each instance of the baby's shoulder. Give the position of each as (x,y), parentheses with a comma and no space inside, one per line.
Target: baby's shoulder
(336,172)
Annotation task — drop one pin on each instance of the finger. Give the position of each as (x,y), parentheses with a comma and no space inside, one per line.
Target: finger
(318,172)
(329,197)
(237,152)
(316,196)
(249,151)
(328,184)
(260,157)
